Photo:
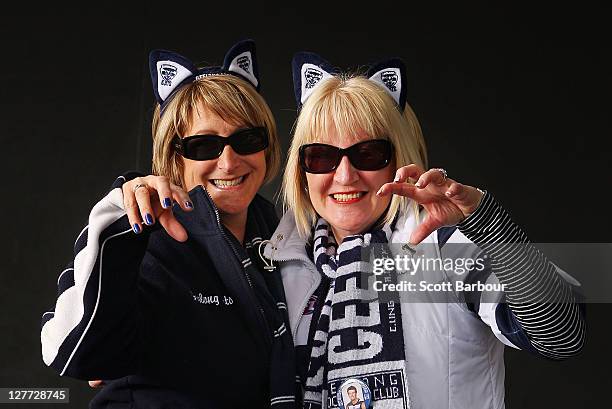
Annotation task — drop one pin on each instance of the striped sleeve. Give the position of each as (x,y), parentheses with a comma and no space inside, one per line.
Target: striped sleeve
(92,331)
(540,312)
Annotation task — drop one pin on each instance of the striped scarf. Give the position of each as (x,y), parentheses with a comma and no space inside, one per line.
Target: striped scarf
(355,337)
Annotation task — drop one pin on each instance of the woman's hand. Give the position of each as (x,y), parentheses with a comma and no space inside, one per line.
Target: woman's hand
(447,202)
(147,199)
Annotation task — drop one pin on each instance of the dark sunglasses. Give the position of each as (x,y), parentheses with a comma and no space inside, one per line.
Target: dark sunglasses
(206,147)
(374,154)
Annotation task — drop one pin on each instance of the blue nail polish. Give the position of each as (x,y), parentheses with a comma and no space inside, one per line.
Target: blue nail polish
(188,204)
(136,228)
(148,219)
(167,202)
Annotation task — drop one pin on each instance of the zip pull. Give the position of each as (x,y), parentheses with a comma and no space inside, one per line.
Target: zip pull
(270,266)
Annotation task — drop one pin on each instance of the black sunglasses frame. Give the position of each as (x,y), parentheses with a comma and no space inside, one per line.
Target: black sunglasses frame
(181,145)
(351,153)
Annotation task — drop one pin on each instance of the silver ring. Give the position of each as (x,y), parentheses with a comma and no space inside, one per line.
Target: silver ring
(444,174)
(138,186)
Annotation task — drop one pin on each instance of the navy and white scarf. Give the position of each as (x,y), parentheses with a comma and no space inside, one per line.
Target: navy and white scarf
(355,337)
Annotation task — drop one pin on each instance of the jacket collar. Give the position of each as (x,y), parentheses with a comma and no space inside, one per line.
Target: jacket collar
(285,243)
(204,218)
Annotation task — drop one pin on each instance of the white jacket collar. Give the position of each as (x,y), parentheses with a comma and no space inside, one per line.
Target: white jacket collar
(285,243)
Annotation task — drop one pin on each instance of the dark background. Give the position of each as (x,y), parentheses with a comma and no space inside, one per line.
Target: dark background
(515,101)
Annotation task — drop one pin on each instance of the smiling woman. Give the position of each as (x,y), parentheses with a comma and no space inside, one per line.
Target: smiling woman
(232,179)
(170,316)
(348,195)
(356,179)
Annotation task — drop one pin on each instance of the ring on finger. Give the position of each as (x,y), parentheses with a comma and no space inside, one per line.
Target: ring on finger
(138,186)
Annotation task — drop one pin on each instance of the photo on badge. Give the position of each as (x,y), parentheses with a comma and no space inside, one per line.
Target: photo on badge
(354,394)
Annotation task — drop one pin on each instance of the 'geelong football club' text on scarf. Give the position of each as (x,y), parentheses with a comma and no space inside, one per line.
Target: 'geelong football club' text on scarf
(354,337)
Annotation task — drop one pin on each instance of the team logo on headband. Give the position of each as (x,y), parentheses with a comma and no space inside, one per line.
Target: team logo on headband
(389,78)
(167,73)
(244,63)
(313,76)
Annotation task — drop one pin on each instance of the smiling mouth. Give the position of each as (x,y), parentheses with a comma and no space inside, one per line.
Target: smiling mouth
(349,197)
(228,183)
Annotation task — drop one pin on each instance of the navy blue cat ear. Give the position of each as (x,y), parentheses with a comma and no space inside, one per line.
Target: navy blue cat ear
(241,59)
(309,71)
(168,71)
(391,74)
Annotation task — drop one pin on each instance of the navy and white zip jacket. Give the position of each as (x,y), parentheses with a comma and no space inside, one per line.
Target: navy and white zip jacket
(454,350)
(177,325)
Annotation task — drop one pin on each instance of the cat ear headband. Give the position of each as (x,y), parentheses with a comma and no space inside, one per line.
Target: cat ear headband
(169,70)
(310,71)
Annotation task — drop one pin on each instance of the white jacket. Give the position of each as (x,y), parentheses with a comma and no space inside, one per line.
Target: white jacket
(454,354)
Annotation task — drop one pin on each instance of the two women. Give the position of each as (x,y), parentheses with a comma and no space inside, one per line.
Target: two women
(192,320)
(195,310)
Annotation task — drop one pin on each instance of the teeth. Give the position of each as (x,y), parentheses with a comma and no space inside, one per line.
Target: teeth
(226,182)
(343,197)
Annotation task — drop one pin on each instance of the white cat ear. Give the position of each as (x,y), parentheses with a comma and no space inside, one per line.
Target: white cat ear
(391,75)
(241,59)
(168,71)
(309,71)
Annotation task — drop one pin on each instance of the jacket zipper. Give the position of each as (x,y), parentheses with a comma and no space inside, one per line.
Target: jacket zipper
(279,237)
(246,274)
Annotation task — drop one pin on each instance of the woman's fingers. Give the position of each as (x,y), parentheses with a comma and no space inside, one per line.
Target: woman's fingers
(143,199)
(401,189)
(410,171)
(168,193)
(424,229)
(447,201)
(182,198)
(408,190)
(131,206)
(164,190)
(435,176)
(148,198)
(173,227)
(456,192)
(467,198)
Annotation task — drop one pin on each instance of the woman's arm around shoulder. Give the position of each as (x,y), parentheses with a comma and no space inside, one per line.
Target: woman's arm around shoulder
(92,332)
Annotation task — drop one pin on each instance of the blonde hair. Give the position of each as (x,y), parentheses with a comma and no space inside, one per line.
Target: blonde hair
(349,104)
(232,99)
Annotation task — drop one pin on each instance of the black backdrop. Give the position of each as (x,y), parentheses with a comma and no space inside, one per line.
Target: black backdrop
(515,101)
